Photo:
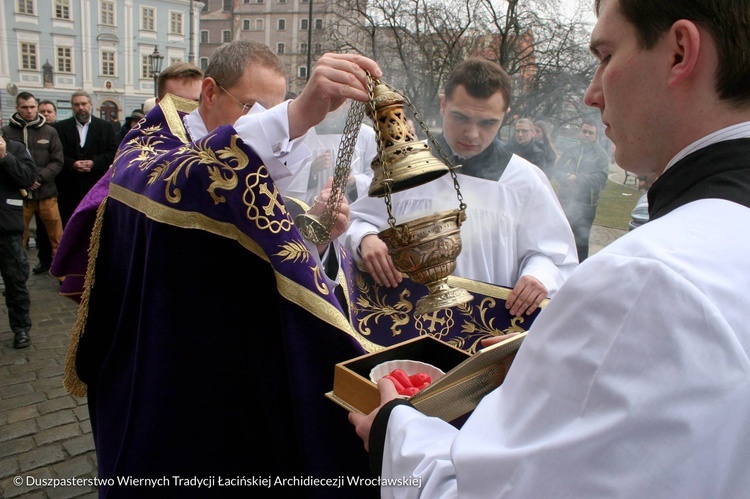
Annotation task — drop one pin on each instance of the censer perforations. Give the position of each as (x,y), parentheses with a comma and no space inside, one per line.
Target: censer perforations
(425,249)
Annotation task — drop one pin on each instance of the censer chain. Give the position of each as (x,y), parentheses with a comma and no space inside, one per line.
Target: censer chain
(343,166)
(434,143)
(371,83)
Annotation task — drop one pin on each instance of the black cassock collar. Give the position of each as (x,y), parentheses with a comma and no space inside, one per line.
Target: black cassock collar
(718,171)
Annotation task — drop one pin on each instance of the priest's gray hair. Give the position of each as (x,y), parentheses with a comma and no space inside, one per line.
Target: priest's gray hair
(232,59)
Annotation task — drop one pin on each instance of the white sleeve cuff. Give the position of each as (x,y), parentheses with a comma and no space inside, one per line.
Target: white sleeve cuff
(267,133)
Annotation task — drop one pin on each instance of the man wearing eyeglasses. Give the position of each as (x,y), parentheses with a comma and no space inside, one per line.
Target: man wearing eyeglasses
(209,327)
(581,173)
(523,144)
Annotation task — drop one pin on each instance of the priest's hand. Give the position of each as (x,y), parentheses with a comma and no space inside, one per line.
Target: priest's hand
(526,296)
(334,79)
(378,262)
(363,422)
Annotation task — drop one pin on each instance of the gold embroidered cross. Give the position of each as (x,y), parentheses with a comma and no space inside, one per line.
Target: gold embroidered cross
(274,200)
(434,320)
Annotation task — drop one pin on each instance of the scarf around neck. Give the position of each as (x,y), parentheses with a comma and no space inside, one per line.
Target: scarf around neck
(19,122)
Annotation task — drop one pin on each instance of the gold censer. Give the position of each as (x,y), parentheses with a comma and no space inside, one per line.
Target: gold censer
(425,249)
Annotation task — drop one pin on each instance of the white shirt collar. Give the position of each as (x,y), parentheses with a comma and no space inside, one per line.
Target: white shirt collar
(196,127)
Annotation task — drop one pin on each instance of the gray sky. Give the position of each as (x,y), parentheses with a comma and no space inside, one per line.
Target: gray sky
(586,7)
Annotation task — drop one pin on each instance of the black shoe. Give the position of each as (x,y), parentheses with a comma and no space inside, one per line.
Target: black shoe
(40,269)
(21,339)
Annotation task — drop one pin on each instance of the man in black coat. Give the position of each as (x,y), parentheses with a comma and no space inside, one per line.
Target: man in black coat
(17,174)
(524,145)
(581,173)
(89,146)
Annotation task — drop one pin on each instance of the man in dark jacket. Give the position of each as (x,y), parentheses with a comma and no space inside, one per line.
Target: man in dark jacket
(27,125)
(17,174)
(89,147)
(582,173)
(524,145)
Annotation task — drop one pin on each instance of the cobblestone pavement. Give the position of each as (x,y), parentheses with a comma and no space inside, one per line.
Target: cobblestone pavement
(45,433)
(602,236)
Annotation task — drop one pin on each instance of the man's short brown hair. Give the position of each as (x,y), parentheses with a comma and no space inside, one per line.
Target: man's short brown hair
(179,70)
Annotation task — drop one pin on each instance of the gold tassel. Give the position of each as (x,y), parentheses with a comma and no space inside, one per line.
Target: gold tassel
(72,383)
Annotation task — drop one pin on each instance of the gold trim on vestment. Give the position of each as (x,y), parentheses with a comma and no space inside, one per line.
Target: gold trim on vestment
(324,310)
(183,219)
(71,381)
(290,290)
(170,105)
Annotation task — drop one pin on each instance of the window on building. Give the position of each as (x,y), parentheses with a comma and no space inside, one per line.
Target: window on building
(260,1)
(304,23)
(62,9)
(259,24)
(303,48)
(145,67)
(175,23)
(281,25)
(282,1)
(318,24)
(318,48)
(64,60)
(26,7)
(227,5)
(204,63)
(148,18)
(108,63)
(226,36)
(279,48)
(107,13)
(302,71)
(29,56)
(246,24)
(303,1)
(204,36)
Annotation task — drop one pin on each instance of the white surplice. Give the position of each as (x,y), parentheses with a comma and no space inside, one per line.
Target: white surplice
(641,391)
(514,225)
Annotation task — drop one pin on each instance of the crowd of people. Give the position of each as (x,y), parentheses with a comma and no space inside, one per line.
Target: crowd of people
(578,174)
(73,155)
(634,371)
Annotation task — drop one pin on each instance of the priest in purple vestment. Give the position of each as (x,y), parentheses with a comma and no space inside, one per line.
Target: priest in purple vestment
(208,327)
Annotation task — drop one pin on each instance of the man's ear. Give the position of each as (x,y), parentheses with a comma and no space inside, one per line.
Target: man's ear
(442,104)
(209,90)
(685,44)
